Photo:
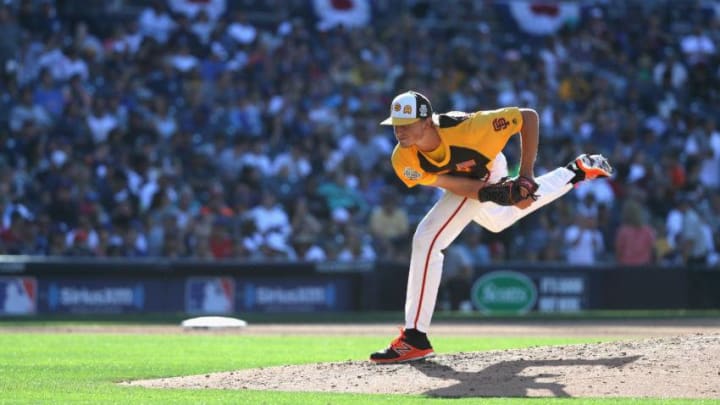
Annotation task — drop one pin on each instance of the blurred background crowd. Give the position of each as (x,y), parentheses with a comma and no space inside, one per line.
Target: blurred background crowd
(249,129)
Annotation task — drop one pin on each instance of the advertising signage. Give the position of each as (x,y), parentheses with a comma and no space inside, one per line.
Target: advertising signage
(95,296)
(295,295)
(512,292)
(18,295)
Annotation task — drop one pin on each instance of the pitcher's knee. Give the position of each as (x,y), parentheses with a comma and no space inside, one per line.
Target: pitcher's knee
(426,238)
(421,241)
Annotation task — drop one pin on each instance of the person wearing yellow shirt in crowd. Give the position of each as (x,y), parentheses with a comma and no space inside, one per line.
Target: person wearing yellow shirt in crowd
(389,224)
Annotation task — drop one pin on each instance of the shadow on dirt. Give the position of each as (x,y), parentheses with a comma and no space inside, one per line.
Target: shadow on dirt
(504,380)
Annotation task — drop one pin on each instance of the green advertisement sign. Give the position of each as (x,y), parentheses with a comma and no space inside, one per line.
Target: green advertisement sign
(504,292)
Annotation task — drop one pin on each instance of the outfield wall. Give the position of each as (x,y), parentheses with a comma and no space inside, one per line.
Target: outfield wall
(48,285)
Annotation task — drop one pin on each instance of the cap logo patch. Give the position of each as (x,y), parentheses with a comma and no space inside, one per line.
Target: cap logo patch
(396,107)
(411,174)
(499,124)
(407,109)
(423,110)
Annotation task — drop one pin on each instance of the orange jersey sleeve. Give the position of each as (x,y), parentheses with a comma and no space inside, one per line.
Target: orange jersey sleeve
(493,128)
(407,168)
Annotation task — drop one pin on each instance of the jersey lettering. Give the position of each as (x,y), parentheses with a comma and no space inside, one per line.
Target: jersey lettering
(465,166)
(463,162)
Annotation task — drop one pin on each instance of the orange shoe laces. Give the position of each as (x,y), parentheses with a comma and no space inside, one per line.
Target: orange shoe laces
(398,339)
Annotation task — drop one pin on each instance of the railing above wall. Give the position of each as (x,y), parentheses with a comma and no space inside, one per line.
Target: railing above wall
(114,265)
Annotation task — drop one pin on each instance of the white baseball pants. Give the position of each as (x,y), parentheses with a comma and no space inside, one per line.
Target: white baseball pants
(444,222)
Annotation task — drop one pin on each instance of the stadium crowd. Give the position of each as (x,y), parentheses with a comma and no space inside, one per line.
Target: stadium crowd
(249,129)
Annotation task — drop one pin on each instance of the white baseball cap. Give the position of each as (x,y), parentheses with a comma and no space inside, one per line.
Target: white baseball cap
(407,108)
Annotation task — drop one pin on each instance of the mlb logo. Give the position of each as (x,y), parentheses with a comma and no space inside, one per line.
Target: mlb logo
(18,295)
(210,295)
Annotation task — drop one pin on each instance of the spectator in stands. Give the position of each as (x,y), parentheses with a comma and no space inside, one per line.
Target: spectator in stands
(691,240)
(275,248)
(355,248)
(635,240)
(155,22)
(56,245)
(709,210)
(201,249)
(101,121)
(174,248)
(673,67)
(214,9)
(698,46)
(293,165)
(220,241)
(83,238)
(241,30)
(162,119)
(583,241)
(714,256)
(48,95)
(28,112)
(342,201)
(389,224)
(477,248)
(588,206)
(303,222)
(183,37)
(91,87)
(12,237)
(203,27)
(10,35)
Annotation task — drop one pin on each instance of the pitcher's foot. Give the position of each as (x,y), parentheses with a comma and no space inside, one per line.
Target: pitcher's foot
(588,167)
(411,345)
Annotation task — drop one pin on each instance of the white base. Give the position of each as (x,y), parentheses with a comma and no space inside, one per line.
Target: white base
(206,322)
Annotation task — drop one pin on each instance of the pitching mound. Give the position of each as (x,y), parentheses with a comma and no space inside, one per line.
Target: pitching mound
(668,367)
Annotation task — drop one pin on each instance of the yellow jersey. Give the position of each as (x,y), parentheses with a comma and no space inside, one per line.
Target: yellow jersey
(471,142)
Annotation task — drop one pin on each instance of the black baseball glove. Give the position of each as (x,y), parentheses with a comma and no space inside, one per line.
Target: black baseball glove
(509,191)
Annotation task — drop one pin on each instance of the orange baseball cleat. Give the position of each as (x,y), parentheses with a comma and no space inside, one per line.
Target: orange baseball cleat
(593,166)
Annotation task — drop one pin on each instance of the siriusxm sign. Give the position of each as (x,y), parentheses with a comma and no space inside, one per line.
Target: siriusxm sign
(301,296)
(97,297)
(102,296)
(312,295)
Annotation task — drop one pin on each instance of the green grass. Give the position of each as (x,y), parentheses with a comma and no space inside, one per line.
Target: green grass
(83,368)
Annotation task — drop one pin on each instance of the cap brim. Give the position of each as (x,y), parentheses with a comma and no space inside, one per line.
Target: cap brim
(398,122)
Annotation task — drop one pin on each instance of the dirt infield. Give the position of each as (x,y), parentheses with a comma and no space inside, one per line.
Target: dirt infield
(661,359)
(669,367)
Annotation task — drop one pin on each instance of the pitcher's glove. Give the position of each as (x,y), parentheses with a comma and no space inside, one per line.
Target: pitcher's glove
(509,191)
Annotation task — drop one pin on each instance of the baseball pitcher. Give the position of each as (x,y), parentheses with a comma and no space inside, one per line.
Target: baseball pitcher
(462,154)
